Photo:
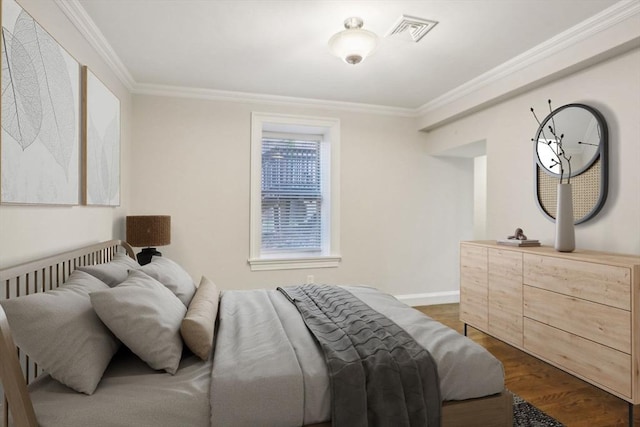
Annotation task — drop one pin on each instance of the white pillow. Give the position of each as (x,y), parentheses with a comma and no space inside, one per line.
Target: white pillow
(170,274)
(60,331)
(146,317)
(113,272)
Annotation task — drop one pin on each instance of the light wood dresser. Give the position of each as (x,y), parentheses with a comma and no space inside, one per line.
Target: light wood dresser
(578,311)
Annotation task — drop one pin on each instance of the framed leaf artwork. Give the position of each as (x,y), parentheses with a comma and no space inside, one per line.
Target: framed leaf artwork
(40,138)
(101,141)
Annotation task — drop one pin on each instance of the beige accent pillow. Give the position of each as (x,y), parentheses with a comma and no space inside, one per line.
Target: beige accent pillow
(113,272)
(60,331)
(198,325)
(173,276)
(146,317)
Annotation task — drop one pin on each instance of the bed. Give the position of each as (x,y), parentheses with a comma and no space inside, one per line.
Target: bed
(258,331)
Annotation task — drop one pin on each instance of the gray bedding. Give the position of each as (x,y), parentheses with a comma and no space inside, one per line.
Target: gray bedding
(267,371)
(378,374)
(129,394)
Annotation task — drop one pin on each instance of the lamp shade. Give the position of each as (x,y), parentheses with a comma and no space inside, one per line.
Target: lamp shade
(149,230)
(354,44)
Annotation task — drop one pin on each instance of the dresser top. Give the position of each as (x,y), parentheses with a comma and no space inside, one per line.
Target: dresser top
(627,260)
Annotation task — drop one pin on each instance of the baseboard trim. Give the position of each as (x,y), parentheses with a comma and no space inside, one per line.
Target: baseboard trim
(430,298)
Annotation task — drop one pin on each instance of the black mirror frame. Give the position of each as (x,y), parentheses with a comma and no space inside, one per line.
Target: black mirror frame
(601,155)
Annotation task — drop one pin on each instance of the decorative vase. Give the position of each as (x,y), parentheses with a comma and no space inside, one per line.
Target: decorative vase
(565,233)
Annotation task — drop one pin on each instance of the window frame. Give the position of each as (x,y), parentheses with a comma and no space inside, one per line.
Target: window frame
(329,129)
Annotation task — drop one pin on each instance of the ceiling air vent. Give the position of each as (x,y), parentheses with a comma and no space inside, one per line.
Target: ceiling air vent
(413,27)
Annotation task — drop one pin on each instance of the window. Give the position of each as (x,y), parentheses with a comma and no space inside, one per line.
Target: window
(294,192)
(291,194)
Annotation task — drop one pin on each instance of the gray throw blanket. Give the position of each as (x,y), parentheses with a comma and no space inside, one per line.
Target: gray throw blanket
(379,375)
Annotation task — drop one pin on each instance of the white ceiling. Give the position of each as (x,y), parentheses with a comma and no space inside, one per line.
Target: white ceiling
(280,47)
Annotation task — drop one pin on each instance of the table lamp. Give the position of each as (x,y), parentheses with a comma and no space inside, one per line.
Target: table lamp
(148,231)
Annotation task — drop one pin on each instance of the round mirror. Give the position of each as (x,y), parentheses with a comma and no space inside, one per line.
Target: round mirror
(578,128)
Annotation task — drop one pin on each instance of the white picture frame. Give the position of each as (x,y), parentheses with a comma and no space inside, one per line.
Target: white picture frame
(101,142)
(40,136)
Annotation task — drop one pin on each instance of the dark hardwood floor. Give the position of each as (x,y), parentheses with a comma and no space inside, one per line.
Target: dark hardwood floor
(568,399)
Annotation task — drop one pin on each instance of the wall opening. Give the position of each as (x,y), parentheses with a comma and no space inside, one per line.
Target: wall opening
(477,153)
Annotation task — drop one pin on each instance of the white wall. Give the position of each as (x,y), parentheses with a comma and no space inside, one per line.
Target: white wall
(612,87)
(399,206)
(403,210)
(480,197)
(27,232)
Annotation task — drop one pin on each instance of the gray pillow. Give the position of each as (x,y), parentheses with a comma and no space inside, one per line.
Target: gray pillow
(170,274)
(113,272)
(146,317)
(60,331)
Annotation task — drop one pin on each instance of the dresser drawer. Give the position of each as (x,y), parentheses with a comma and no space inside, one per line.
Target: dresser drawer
(473,266)
(505,280)
(473,286)
(605,284)
(473,308)
(505,295)
(604,324)
(506,326)
(602,365)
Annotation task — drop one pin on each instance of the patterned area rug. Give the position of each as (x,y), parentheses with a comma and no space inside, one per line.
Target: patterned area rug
(527,415)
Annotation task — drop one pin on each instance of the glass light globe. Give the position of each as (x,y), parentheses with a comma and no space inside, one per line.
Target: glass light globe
(354,44)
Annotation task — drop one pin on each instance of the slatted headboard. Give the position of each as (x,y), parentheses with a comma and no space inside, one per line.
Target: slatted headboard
(40,276)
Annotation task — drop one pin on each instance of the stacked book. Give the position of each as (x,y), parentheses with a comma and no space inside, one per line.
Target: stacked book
(516,242)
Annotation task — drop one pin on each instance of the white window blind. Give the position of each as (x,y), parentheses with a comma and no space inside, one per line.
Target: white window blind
(291,195)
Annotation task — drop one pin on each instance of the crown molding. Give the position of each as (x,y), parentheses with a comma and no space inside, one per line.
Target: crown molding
(588,28)
(245,97)
(606,19)
(81,20)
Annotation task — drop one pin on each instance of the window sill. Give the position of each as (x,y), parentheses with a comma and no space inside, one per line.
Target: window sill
(261,264)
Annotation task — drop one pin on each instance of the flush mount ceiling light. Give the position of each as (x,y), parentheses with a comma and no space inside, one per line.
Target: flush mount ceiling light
(353,44)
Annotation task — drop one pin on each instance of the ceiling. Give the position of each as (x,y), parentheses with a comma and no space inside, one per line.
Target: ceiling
(279,48)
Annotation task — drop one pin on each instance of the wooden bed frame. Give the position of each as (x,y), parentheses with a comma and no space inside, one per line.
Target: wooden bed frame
(17,370)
